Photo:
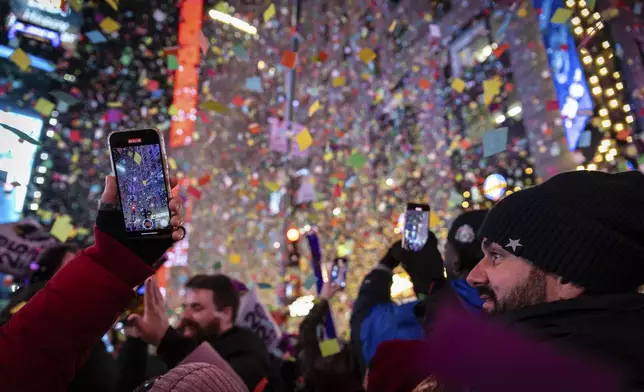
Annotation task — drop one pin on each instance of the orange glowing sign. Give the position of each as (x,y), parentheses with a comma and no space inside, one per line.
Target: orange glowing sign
(186,80)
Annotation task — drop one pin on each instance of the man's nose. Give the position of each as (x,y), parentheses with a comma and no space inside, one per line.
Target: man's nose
(477,277)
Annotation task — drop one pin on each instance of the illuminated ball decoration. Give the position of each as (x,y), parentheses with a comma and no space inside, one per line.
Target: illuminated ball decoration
(494,187)
(293,234)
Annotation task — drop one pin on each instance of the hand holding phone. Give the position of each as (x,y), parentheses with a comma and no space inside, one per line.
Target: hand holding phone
(416,227)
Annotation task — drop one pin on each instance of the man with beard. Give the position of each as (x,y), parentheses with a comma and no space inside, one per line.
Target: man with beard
(210,307)
(564,261)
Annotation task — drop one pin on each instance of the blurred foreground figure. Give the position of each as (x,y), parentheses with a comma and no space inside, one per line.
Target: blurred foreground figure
(564,260)
(466,352)
(56,329)
(99,371)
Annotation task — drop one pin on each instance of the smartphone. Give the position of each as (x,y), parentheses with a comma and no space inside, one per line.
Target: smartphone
(416,227)
(140,166)
(339,271)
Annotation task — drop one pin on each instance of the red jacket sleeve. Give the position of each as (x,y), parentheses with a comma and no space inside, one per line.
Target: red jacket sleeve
(45,341)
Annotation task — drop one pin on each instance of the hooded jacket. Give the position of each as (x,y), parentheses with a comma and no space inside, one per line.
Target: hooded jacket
(57,328)
(99,370)
(244,351)
(607,328)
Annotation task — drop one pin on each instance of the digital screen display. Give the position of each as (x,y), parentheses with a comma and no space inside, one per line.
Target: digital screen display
(16,161)
(141,180)
(416,228)
(339,271)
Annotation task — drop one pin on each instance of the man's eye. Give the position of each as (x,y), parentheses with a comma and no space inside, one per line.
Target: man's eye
(496,257)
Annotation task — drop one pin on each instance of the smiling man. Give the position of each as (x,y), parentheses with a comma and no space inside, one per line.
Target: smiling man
(565,260)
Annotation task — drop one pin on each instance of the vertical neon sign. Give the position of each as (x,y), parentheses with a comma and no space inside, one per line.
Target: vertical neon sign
(186,81)
(575,102)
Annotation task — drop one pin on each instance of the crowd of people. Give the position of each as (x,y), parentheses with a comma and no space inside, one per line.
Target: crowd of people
(538,293)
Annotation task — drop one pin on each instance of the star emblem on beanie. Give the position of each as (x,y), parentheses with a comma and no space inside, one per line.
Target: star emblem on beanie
(514,244)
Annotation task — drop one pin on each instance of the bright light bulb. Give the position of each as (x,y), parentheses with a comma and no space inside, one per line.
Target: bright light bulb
(293,234)
(613,103)
(515,111)
(603,71)
(629,119)
(588,60)
(500,118)
(627,108)
(594,79)
(597,90)
(465,204)
(605,44)
(600,60)
(603,112)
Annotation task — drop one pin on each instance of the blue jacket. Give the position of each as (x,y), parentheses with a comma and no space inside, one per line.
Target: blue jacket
(376,319)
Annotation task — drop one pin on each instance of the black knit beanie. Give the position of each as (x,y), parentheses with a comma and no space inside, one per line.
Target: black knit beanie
(462,236)
(585,226)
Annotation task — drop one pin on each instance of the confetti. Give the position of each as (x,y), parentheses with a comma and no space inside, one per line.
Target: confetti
(495,142)
(458,85)
(304,139)
(289,58)
(44,107)
(62,228)
(357,160)
(329,347)
(235,258)
(21,59)
(269,12)
(367,55)
(561,16)
(314,108)
(109,25)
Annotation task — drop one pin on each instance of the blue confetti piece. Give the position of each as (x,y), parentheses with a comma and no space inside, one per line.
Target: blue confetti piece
(264,286)
(495,141)
(96,37)
(584,140)
(310,282)
(254,84)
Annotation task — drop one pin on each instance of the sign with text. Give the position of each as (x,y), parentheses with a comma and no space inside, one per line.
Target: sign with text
(20,245)
(254,315)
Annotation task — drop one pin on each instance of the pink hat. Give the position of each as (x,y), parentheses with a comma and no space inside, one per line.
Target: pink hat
(197,377)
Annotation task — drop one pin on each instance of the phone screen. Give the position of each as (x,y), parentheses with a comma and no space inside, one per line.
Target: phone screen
(140,174)
(140,290)
(416,227)
(339,271)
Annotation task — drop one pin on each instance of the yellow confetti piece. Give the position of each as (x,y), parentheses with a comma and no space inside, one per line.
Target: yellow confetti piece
(314,108)
(491,88)
(339,81)
(235,258)
(269,12)
(173,110)
(172,163)
(114,4)
(522,13)
(328,156)
(21,59)
(214,106)
(109,25)
(16,308)
(329,347)
(272,186)
(561,16)
(319,205)
(304,139)
(44,107)
(458,85)
(434,220)
(62,228)
(367,55)
(137,158)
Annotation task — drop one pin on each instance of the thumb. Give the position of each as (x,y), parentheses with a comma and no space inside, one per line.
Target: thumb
(110,193)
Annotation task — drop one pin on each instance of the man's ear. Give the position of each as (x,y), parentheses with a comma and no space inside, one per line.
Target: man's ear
(568,290)
(228,311)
